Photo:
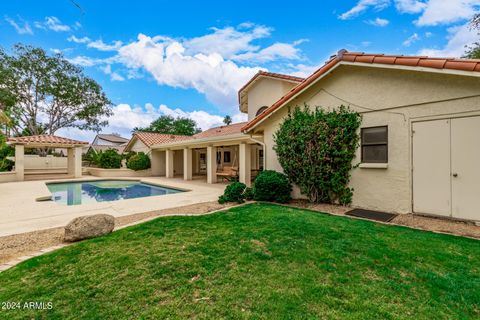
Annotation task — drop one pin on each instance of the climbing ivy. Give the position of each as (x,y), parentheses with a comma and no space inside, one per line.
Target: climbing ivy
(316,149)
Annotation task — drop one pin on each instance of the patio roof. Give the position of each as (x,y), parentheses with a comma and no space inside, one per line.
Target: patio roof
(46,140)
(227,134)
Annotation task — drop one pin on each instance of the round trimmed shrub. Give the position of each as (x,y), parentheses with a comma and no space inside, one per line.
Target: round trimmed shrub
(248,193)
(109,159)
(139,161)
(234,192)
(272,186)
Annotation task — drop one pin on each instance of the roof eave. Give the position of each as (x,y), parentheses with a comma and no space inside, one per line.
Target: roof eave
(255,123)
(226,138)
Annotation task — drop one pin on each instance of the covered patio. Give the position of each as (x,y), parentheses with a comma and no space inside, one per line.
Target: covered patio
(216,158)
(73,149)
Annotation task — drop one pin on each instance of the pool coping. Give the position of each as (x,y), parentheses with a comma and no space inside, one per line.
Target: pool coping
(49,197)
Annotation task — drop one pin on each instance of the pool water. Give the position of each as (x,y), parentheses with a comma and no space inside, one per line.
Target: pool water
(82,192)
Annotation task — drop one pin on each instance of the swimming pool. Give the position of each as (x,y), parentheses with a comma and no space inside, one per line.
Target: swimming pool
(82,192)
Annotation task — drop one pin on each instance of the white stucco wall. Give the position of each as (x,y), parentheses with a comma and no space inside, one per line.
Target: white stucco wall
(385,97)
(139,146)
(265,92)
(35,162)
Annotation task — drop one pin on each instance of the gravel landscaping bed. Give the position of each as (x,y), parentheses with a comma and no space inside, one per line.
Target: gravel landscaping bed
(459,228)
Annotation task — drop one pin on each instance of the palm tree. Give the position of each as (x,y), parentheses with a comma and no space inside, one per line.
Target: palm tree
(227,120)
(4,121)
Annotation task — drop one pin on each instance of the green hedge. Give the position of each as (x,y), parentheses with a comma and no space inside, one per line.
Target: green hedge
(139,161)
(316,149)
(109,159)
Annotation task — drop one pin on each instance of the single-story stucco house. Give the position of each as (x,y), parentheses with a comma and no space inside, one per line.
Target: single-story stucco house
(103,142)
(419,136)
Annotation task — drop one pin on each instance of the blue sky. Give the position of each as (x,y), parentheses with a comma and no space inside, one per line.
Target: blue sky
(188,58)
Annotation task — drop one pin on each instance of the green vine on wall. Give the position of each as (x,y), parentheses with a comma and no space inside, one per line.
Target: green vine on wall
(316,148)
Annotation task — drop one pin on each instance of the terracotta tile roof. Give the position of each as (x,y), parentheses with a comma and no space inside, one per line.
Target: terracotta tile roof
(98,148)
(360,57)
(112,138)
(221,131)
(151,138)
(412,61)
(44,140)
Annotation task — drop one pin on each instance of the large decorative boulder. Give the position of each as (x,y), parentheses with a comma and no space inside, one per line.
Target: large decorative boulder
(89,227)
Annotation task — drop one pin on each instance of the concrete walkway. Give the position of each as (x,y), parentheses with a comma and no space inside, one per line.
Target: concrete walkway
(20,212)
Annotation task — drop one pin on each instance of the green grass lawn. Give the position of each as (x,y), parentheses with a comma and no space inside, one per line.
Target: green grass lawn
(257,261)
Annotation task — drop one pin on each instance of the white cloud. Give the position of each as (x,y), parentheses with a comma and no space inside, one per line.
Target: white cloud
(126,117)
(410,6)
(78,40)
(458,37)
(378,22)
(410,40)
(102,46)
(114,76)
(25,29)
(203,119)
(302,70)
(228,41)
(364,5)
(432,12)
(52,23)
(83,61)
(97,44)
(271,53)
(444,12)
(168,63)
(216,64)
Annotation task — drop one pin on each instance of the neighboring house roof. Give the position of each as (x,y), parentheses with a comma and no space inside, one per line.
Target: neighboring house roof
(151,138)
(233,128)
(112,138)
(98,148)
(472,65)
(263,74)
(46,141)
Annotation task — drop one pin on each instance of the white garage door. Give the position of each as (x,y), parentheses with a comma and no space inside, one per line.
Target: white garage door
(446,167)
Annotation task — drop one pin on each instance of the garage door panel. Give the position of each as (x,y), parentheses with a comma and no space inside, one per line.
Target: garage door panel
(465,145)
(431,167)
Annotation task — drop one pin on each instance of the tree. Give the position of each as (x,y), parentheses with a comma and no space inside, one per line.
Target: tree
(171,125)
(473,51)
(227,120)
(42,93)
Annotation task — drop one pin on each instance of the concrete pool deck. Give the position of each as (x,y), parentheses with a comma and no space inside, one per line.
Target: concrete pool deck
(20,212)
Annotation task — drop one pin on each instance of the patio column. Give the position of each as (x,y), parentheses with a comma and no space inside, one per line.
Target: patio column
(211,164)
(74,162)
(245,170)
(19,162)
(169,163)
(187,164)
(157,162)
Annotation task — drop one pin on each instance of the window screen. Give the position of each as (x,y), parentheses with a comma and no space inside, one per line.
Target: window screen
(375,144)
